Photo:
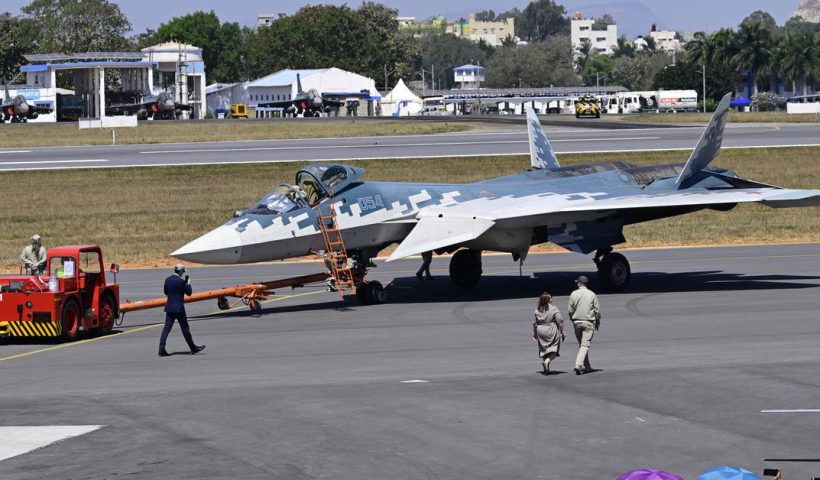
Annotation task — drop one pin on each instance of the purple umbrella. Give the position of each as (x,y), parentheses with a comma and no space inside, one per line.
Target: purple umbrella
(648,474)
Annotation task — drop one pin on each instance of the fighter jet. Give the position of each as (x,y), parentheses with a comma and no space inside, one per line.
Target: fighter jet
(582,208)
(305,104)
(18,110)
(160,106)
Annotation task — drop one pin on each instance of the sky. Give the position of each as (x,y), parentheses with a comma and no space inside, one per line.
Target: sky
(634,17)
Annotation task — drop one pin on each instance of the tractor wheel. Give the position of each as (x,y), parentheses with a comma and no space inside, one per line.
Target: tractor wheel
(255,305)
(222,303)
(70,322)
(106,314)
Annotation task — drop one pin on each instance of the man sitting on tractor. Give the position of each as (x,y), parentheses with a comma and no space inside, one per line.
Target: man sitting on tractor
(34,257)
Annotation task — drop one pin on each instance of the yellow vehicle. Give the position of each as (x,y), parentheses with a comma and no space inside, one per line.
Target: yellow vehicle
(587,106)
(238,110)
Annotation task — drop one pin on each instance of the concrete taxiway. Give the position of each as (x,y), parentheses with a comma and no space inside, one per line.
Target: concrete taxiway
(505,140)
(710,358)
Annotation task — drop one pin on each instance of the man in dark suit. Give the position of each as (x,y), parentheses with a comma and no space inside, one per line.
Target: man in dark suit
(175,289)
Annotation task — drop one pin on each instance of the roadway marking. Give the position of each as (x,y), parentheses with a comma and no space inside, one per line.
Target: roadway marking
(39,162)
(16,441)
(799,410)
(14,151)
(414,381)
(389,145)
(139,329)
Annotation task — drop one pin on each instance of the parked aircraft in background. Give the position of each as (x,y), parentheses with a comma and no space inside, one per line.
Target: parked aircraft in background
(582,208)
(17,109)
(162,106)
(305,104)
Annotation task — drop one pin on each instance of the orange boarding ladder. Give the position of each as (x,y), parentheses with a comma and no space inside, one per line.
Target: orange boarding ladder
(336,255)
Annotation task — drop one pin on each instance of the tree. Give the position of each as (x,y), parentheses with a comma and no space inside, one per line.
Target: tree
(583,53)
(367,41)
(624,48)
(639,73)
(681,76)
(442,52)
(535,65)
(71,26)
(797,58)
(485,16)
(799,25)
(765,19)
(15,42)
(715,52)
(598,70)
(754,50)
(602,22)
(540,19)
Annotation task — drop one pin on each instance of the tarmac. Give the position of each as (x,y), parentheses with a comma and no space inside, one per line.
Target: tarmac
(497,139)
(710,358)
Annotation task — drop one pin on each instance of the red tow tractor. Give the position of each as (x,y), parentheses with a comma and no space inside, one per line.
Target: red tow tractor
(72,296)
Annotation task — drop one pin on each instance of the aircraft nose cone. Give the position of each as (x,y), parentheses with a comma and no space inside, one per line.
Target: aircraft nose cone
(22,108)
(219,246)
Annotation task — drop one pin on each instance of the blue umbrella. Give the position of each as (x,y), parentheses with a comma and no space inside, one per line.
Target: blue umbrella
(648,474)
(740,102)
(725,472)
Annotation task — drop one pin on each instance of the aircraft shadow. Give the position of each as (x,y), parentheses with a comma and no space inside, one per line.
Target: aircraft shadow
(409,290)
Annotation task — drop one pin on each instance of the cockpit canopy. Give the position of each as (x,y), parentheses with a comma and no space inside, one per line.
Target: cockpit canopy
(312,185)
(319,179)
(281,200)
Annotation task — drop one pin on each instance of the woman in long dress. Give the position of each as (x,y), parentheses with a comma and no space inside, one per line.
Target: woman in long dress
(548,330)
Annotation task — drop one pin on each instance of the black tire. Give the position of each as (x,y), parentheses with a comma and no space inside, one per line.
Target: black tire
(377,294)
(222,303)
(465,268)
(363,294)
(107,314)
(614,272)
(70,320)
(254,305)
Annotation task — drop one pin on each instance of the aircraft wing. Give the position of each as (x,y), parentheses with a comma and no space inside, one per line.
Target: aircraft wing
(444,226)
(128,108)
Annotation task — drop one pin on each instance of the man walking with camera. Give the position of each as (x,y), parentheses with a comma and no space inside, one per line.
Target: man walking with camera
(585,313)
(175,289)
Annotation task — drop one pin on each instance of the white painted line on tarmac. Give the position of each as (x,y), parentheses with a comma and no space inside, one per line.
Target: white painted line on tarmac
(42,162)
(799,410)
(386,145)
(414,381)
(14,151)
(16,441)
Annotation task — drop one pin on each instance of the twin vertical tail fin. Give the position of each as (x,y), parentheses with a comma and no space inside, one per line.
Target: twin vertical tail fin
(299,83)
(708,147)
(6,86)
(541,154)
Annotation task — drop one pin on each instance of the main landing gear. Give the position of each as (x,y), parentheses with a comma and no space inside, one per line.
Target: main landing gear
(465,268)
(613,269)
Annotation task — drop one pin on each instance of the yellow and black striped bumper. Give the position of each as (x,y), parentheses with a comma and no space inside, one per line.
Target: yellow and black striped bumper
(29,329)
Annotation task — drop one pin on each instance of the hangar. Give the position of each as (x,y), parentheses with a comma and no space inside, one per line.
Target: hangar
(333,83)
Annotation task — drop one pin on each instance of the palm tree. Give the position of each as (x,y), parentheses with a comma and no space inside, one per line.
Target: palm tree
(754,50)
(796,57)
(699,49)
(624,48)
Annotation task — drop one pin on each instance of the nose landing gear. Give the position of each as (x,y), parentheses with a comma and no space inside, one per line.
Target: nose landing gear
(614,271)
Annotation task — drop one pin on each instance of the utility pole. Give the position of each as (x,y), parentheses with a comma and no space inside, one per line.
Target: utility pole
(704,87)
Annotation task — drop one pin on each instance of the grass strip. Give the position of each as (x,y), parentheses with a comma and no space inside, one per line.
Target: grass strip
(139,215)
(68,134)
(734,117)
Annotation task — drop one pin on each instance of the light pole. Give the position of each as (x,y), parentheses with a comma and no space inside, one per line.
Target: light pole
(703,71)
(386,86)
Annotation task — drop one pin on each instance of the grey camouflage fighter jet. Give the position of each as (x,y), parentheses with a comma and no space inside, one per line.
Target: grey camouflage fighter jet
(582,208)
(17,109)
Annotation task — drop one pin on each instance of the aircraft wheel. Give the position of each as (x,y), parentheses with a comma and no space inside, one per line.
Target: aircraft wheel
(376,293)
(363,294)
(465,268)
(222,303)
(614,272)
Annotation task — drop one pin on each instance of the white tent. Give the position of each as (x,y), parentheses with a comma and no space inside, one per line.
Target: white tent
(401,102)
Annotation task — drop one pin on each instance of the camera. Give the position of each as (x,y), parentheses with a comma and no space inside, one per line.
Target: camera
(186,279)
